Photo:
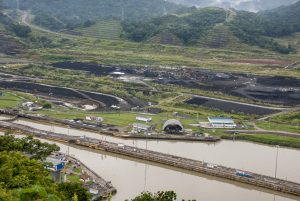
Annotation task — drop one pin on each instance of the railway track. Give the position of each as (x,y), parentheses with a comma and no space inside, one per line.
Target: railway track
(166,159)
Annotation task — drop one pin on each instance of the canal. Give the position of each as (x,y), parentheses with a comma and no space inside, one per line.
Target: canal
(131,177)
(237,154)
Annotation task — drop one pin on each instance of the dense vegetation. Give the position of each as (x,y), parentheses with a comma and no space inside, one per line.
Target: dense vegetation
(256,29)
(159,196)
(187,27)
(191,25)
(72,13)
(282,21)
(249,5)
(23,178)
(28,145)
(16,28)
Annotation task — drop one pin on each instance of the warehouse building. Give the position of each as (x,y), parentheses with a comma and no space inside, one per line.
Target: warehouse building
(173,126)
(220,122)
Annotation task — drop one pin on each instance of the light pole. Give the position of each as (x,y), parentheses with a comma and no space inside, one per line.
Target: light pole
(277,147)
(68,141)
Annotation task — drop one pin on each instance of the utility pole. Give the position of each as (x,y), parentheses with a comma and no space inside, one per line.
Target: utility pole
(68,142)
(122,15)
(165,11)
(18,4)
(277,147)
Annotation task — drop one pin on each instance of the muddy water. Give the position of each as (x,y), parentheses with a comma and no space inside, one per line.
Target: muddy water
(242,155)
(132,177)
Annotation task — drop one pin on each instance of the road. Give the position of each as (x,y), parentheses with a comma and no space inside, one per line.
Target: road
(25,20)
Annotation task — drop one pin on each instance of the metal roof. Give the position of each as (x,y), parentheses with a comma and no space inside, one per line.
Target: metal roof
(220,120)
(172,122)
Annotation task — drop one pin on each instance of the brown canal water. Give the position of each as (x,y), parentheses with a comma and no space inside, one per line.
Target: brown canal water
(131,177)
(248,156)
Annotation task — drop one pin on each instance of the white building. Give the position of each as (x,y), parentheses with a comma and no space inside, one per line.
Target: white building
(94,118)
(220,122)
(144,119)
(31,106)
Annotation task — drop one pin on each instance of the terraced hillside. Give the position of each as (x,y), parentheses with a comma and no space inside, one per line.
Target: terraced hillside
(105,29)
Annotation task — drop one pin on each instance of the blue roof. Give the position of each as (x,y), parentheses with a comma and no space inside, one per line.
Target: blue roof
(220,120)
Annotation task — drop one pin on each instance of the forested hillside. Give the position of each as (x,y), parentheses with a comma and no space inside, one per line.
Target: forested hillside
(282,21)
(258,29)
(247,5)
(191,25)
(187,27)
(72,13)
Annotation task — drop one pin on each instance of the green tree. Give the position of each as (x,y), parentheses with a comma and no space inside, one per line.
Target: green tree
(69,190)
(20,30)
(159,196)
(47,105)
(18,171)
(34,147)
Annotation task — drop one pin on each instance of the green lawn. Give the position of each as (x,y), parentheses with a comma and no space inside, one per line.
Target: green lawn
(122,119)
(104,29)
(73,178)
(8,100)
(268,139)
(278,126)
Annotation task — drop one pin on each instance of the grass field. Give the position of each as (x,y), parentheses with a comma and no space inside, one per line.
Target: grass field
(279,126)
(268,139)
(105,29)
(8,100)
(122,119)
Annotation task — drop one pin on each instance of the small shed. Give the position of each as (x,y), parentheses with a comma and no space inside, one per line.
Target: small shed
(144,119)
(94,118)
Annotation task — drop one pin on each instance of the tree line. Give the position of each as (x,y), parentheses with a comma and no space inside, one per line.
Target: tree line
(69,14)
(23,176)
(187,27)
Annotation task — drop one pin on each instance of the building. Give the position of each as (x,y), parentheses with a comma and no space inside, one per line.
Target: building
(94,118)
(144,119)
(137,128)
(55,168)
(173,126)
(84,177)
(220,122)
(31,106)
